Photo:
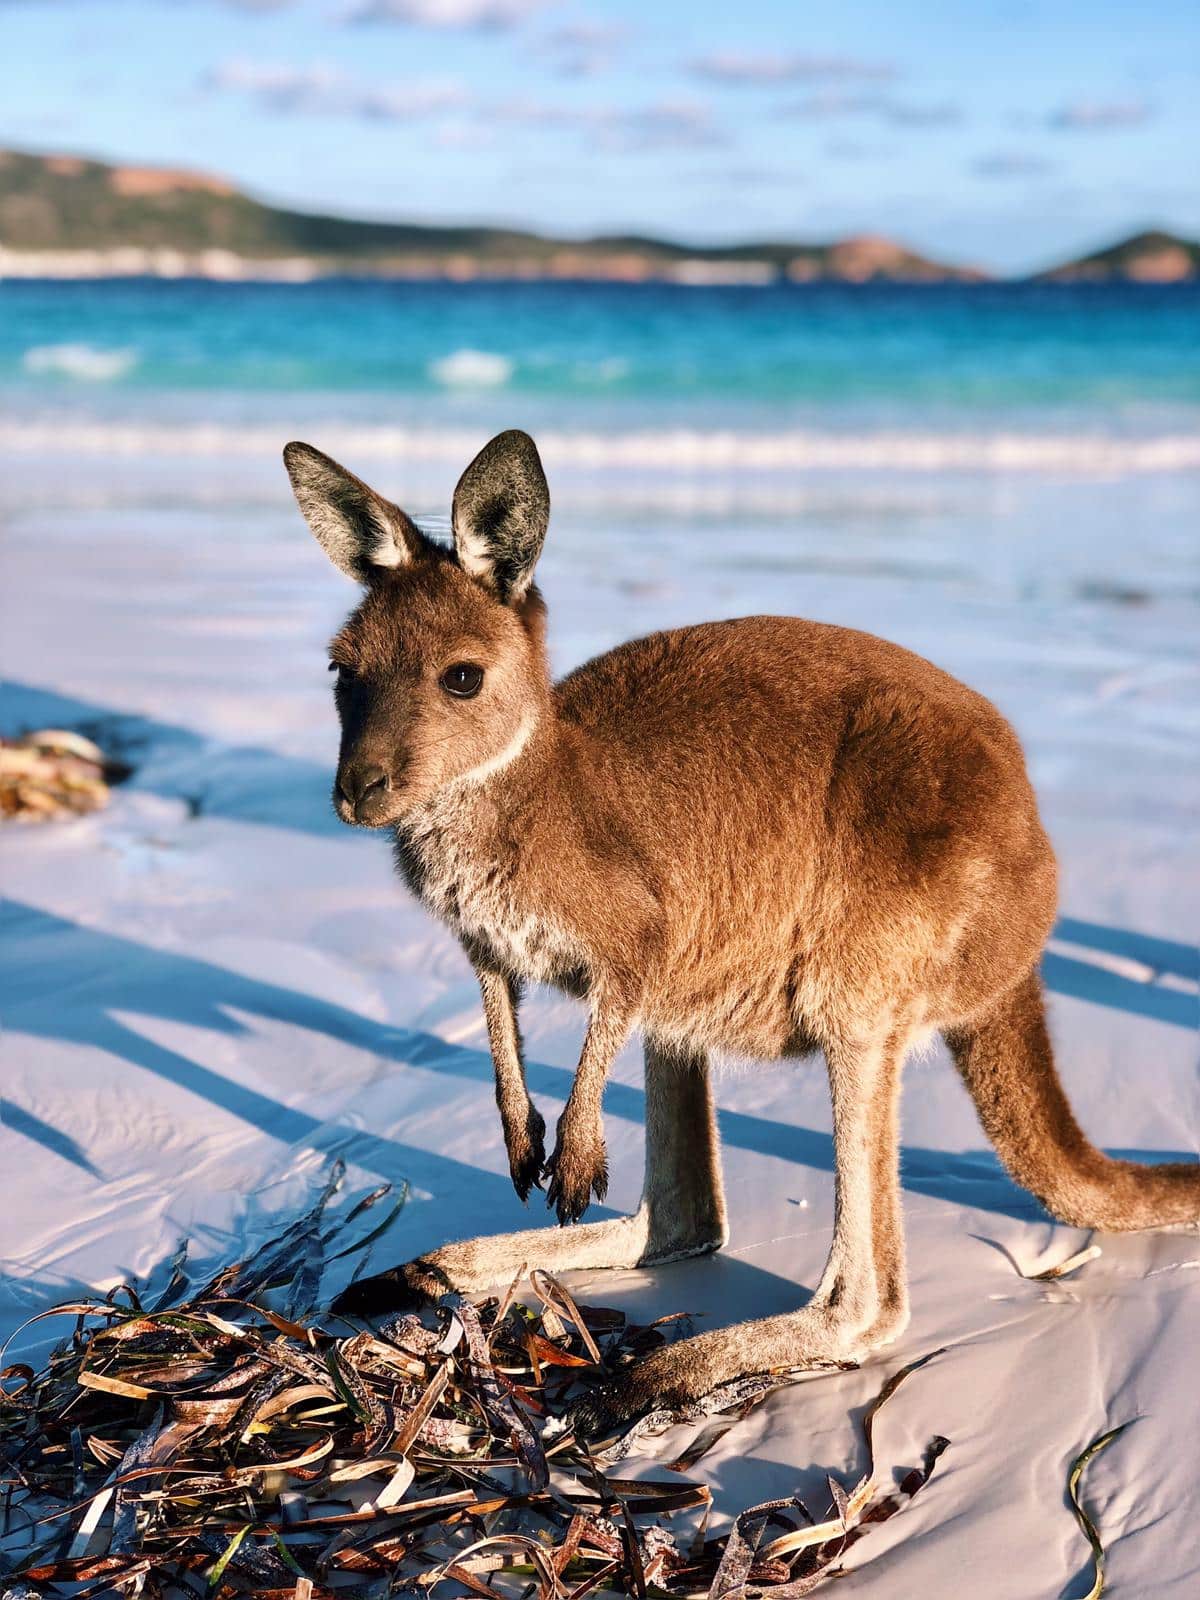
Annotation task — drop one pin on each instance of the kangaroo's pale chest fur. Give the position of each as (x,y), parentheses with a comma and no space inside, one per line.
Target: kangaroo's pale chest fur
(479,896)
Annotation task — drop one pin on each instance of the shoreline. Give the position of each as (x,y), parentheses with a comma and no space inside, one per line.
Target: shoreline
(710,452)
(222,266)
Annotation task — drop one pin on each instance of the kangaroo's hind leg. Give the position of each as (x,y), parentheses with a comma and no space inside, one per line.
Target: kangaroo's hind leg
(861,1299)
(887,1210)
(682,1212)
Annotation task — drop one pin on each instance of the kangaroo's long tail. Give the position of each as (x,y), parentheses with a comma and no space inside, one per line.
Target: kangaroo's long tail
(1007,1062)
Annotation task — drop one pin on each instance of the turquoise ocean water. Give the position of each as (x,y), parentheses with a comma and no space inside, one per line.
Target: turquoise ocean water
(1121,361)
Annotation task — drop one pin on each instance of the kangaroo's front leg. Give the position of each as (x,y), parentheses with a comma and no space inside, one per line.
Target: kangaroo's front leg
(682,1211)
(524,1130)
(578,1169)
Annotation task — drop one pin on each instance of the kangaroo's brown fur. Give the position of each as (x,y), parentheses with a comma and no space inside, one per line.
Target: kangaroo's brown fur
(764,836)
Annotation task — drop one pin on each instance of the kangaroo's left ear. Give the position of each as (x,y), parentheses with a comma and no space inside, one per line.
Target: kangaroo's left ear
(500,514)
(358,530)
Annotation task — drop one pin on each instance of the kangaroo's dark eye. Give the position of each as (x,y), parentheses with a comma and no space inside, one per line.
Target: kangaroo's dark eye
(462,680)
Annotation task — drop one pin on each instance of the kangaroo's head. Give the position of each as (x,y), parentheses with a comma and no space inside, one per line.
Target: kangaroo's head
(441,670)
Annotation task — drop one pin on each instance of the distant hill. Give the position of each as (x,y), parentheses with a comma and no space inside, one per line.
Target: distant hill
(1151,257)
(63,216)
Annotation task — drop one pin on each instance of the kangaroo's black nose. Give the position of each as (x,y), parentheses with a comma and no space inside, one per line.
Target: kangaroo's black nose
(360,785)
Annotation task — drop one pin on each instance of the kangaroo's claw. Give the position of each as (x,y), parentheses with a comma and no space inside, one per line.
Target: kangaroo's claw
(577,1170)
(527,1155)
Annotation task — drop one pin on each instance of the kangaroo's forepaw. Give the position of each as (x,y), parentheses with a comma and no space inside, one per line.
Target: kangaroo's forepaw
(527,1155)
(404,1288)
(577,1170)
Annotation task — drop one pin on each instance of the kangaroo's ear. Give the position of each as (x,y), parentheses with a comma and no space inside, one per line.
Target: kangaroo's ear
(500,514)
(358,529)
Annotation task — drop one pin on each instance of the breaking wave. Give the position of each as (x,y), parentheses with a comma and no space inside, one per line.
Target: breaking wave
(87,362)
(693,451)
(471,369)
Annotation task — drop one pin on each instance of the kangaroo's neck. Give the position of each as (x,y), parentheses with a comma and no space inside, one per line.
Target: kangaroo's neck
(473,853)
(491,802)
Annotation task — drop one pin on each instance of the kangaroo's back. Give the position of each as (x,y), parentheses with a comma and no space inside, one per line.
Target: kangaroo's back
(791,782)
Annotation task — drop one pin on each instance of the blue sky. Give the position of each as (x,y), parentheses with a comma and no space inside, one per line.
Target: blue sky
(1008,132)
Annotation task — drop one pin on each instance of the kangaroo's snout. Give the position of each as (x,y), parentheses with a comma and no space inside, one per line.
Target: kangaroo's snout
(363,788)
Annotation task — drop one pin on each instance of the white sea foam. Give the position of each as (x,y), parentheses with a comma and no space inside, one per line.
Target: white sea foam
(471,369)
(699,453)
(85,361)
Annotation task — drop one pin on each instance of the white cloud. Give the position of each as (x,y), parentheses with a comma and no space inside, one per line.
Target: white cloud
(851,150)
(742,175)
(750,69)
(460,133)
(324,91)
(582,49)
(914,114)
(831,103)
(668,124)
(661,125)
(1101,116)
(468,16)
(1012,164)
(465,120)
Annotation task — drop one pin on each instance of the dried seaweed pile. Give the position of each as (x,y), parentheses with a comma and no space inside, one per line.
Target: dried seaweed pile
(210,1444)
(54,773)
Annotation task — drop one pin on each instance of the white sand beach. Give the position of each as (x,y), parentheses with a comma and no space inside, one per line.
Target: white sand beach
(212,988)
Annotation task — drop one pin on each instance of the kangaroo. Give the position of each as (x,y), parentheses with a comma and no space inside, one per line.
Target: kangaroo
(765,836)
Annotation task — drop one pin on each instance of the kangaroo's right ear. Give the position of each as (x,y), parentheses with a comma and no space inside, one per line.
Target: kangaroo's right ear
(358,529)
(500,514)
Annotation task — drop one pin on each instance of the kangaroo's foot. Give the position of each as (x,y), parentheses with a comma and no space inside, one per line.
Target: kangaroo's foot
(474,1265)
(525,1143)
(816,1337)
(890,1321)
(578,1169)
(403,1288)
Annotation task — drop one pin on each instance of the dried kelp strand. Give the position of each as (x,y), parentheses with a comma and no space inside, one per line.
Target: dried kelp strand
(1081,1516)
